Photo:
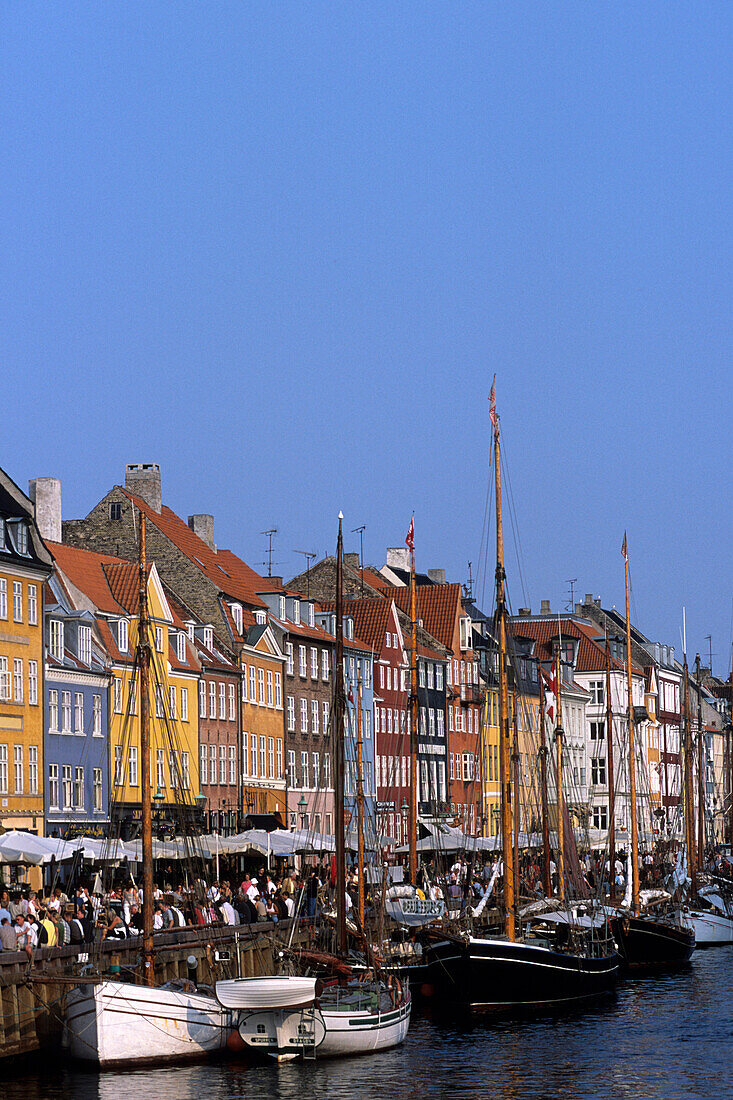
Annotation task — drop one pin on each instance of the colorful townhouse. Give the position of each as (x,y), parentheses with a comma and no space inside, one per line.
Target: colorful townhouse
(76,702)
(25,565)
(111,587)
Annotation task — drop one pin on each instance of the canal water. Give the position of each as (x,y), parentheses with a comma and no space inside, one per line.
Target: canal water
(658,1038)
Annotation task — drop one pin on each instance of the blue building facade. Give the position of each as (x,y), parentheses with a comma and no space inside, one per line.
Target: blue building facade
(359,676)
(76,726)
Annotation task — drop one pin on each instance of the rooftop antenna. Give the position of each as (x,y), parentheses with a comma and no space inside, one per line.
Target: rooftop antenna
(469,585)
(269,534)
(709,640)
(360,531)
(571,605)
(309,556)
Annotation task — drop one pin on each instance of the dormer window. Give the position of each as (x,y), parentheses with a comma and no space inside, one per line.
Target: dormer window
(181,641)
(85,645)
(56,639)
(191,631)
(349,628)
(296,612)
(19,532)
(282,614)
(261,617)
(159,638)
(311,615)
(465,632)
(237,616)
(209,637)
(123,636)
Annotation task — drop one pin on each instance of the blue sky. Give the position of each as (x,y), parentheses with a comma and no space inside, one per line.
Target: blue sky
(282,249)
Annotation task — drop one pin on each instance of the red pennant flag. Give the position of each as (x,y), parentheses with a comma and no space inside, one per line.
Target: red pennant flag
(625,550)
(492,405)
(410,540)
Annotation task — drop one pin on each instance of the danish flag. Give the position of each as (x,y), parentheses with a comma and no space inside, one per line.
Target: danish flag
(492,405)
(410,540)
(550,693)
(625,550)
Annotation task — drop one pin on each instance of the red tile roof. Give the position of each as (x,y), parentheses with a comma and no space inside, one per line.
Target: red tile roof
(223,568)
(438,606)
(86,571)
(591,655)
(370,616)
(124,579)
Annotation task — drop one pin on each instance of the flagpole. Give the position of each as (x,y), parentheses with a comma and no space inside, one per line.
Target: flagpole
(414,711)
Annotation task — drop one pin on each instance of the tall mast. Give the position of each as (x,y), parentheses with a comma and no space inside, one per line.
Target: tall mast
(700,773)
(689,787)
(611,788)
(546,875)
(415,779)
(504,736)
(515,784)
(339,710)
(360,804)
(560,795)
(143,656)
(632,749)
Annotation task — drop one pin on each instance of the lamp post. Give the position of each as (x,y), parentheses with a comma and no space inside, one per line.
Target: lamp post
(302,807)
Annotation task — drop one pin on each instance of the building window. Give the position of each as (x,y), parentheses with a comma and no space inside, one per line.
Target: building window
(296,612)
(302,661)
(4,680)
(132,766)
(17,601)
(314,715)
(270,757)
(97,715)
(263,757)
(18,768)
(314,663)
(173,769)
(18,679)
(79,713)
(202,698)
(132,696)
(117,689)
(261,686)
(123,635)
(33,769)
(326,709)
(303,715)
(279,758)
(252,685)
(118,766)
(237,616)
(233,764)
(172,701)
(232,703)
(438,677)
(292,777)
(159,638)
(56,639)
(184,771)
(289,666)
(304,764)
(181,646)
(212,699)
(253,755)
(291,713)
(53,782)
(597,731)
(222,702)
(598,771)
(160,769)
(204,765)
(278,691)
(269,688)
(212,764)
(159,706)
(600,817)
(222,764)
(597,692)
(66,712)
(325,669)
(67,787)
(85,645)
(115,510)
(78,788)
(3,597)
(97,789)
(184,704)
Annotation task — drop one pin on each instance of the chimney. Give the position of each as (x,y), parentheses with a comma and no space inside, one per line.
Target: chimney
(437,576)
(352,560)
(588,599)
(143,480)
(45,492)
(524,612)
(398,558)
(545,607)
(203,526)
(579,609)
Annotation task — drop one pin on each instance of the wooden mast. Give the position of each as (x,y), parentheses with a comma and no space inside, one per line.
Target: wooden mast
(546,875)
(360,805)
(611,777)
(339,709)
(560,797)
(504,736)
(700,773)
(414,777)
(689,786)
(632,758)
(515,784)
(143,656)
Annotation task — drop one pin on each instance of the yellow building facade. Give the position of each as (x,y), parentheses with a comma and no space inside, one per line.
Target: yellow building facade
(25,565)
(263,724)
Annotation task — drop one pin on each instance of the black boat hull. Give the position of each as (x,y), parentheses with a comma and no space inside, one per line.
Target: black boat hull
(646,943)
(497,975)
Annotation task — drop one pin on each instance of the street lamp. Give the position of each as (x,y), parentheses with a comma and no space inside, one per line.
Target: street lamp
(302,806)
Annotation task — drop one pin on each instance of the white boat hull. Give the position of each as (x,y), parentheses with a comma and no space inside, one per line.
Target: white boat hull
(711,929)
(349,1033)
(117,1024)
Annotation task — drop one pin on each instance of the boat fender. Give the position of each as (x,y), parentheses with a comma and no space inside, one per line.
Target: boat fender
(235,1043)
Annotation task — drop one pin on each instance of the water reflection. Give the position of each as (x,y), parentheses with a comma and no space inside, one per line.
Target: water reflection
(662,1038)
